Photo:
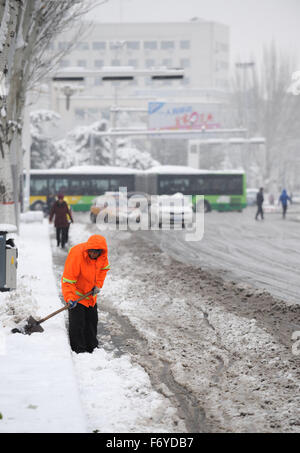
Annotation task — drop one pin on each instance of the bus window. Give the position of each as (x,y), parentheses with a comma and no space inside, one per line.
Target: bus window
(224,185)
(199,186)
(98,185)
(169,185)
(58,184)
(74,186)
(85,186)
(38,185)
(235,185)
(121,181)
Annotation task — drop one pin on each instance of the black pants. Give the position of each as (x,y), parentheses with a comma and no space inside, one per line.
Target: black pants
(259,212)
(284,208)
(83,323)
(61,236)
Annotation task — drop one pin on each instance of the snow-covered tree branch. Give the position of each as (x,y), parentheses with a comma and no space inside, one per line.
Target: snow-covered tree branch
(82,146)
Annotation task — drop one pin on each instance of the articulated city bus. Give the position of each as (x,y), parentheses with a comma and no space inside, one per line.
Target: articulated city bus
(80,185)
(222,190)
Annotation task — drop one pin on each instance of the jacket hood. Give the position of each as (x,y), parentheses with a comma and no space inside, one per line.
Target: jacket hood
(96,241)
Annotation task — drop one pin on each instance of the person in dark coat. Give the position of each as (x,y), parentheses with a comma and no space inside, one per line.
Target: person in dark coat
(283,199)
(61,212)
(259,202)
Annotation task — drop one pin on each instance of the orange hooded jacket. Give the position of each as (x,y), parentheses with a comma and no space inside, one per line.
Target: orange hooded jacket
(81,273)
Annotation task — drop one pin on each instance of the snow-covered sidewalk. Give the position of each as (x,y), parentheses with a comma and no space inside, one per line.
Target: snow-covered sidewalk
(38,390)
(45,387)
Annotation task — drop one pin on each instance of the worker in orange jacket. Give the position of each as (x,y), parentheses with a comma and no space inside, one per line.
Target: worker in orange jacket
(85,270)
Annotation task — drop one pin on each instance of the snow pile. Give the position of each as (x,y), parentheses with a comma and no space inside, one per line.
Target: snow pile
(38,391)
(118,396)
(32,216)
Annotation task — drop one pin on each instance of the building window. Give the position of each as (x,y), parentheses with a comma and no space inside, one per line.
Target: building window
(97,81)
(150,45)
(185,80)
(115,62)
(82,46)
(167,45)
(116,45)
(133,62)
(64,63)
(99,45)
(185,62)
(185,44)
(133,45)
(98,63)
(63,45)
(81,63)
(149,63)
(167,62)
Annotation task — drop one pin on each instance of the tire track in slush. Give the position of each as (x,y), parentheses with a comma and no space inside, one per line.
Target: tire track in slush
(125,338)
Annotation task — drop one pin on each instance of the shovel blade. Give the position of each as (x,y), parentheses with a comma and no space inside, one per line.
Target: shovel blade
(31,327)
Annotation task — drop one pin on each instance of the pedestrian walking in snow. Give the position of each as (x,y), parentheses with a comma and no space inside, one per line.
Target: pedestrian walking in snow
(85,270)
(283,199)
(259,202)
(61,212)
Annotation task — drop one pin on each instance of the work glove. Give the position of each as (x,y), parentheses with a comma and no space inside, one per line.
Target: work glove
(72,303)
(96,290)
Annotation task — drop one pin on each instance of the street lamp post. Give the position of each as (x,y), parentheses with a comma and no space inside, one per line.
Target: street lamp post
(244,66)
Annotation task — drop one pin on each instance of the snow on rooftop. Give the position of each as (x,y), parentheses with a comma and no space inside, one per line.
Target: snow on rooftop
(180,169)
(103,169)
(86,169)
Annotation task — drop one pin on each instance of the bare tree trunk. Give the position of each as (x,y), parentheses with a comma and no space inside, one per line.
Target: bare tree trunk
(9,24)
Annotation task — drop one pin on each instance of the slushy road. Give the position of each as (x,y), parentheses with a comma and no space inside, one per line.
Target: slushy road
(265,254)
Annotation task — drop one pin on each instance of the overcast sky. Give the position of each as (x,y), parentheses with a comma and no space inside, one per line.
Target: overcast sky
(253,23)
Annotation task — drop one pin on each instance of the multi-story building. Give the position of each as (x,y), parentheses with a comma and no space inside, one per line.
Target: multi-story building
(198,46)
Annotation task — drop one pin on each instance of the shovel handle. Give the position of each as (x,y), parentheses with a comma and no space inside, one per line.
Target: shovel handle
(64,308)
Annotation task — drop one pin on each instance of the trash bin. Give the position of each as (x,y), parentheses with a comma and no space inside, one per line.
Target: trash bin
(8,259)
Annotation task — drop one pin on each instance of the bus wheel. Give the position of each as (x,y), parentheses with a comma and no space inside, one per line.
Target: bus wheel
(207,207)
(37,206)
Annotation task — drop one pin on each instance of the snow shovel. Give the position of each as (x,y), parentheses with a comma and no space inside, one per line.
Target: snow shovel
(35,326)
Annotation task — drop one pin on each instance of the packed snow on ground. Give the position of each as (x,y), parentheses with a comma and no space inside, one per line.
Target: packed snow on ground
(45,387)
